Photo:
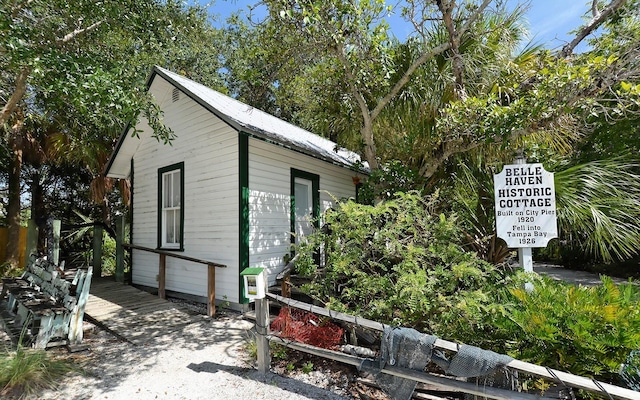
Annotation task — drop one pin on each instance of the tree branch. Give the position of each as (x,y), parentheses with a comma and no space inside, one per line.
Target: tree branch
(366,129)
(16,96)
(598,18)
(406,77)
(460,145)
(72,35)
(454,39)
(425,57)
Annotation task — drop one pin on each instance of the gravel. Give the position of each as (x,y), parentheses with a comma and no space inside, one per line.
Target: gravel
(215,366)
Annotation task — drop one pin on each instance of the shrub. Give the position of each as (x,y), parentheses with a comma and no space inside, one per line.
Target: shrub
(385,182)
(587,331)
(400,263)
(26,371)
(396,262)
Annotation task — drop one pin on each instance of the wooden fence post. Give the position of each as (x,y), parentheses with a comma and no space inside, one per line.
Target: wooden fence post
(56,225)
(32,239)
(162,270)
(285,286)
(262,329)
(211,290)
(120,248)
(97,250)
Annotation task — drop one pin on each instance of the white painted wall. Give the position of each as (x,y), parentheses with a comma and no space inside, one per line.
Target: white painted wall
(269,199)
(209,149)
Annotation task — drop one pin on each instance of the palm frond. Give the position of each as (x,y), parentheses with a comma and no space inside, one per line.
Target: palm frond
(599,207)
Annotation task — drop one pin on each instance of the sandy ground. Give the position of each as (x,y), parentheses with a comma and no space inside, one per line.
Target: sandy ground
(213,367)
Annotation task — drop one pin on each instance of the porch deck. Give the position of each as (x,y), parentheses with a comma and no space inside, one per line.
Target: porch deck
(135,315)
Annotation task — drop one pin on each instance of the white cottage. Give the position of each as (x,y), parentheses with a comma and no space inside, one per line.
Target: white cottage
(231,188)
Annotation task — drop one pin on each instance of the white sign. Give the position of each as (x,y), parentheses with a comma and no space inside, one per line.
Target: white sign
(525,205)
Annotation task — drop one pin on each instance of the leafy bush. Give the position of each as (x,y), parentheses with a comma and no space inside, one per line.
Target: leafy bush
(6,269)
(472,199)
(587,331)
(385,182)
(108,255)
(398,263)
(598,210)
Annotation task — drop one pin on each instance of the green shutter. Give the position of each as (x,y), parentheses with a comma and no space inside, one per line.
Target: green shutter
(315,189)
(243,173)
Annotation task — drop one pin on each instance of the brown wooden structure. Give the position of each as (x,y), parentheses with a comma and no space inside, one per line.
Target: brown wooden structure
(4,238)
(134,315)
(162,272)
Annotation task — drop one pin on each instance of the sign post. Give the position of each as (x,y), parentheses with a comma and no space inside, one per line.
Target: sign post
(525,203)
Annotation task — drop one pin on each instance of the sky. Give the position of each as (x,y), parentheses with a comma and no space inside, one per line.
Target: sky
(549,20)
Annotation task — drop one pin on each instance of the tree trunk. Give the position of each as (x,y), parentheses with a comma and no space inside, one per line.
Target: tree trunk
(16,97)
(13,208)
(370,153)
(38,211)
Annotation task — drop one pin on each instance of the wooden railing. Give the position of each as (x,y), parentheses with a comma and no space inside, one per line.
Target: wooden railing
(162,269)
(566,379)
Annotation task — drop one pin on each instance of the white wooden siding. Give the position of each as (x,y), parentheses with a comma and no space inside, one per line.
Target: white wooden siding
(269,199)
(209,149)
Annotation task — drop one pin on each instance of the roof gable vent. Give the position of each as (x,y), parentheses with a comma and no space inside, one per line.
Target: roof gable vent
(175,95)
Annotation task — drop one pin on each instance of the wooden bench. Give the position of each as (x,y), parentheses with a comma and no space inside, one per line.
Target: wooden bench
(42,308)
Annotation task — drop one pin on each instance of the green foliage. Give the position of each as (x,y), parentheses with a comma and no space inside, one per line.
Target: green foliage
(472,198)
(86,64)
(397,262)
(251,346)
(401,263)
(384,183)
(26,371)
(277,351)
(307,367)
(384,96)
(7,269)
(598,209)
(587,331)
(337,24)
(108,255)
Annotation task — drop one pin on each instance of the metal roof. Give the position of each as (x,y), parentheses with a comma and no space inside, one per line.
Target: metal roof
(254,122)
(259,123)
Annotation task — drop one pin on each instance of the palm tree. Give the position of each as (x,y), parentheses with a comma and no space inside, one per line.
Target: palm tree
(599,208)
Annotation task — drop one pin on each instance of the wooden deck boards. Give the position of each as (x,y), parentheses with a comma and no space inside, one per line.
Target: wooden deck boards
(135,315)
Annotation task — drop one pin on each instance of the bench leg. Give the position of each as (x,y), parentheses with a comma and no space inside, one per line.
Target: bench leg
(22,314)
(44,331)
(11,303)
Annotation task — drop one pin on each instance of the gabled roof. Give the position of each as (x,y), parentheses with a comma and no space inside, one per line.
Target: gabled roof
(251,121)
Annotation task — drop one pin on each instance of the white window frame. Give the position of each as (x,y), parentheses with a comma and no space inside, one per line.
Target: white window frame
(170,206)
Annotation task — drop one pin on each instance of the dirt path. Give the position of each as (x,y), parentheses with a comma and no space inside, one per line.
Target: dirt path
(571,276)
(213,367)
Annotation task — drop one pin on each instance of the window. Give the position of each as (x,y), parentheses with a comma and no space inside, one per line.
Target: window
(305,203)
(305,206)
(171,207)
